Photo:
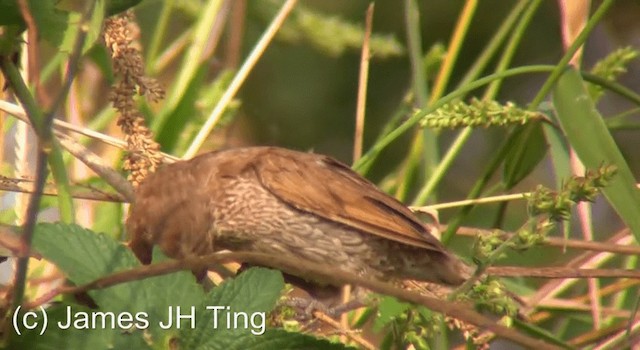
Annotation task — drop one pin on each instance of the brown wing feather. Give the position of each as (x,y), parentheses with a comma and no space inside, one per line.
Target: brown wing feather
(333,191)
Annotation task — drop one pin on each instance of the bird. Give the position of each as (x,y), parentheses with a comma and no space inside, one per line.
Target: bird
(288,203)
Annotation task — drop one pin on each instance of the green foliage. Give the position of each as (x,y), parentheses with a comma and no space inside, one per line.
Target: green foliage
(206,97)
(588,134)
(186,68)
(85,256)
(173,121)
(10,14)
(611,67)
(546,208)
(527,150)
(406,324)
(61,25)
(492,246)
(388,309)
(484,113)
(192,71)
(331,35)
(73,29)
(45,14)
(433,60)
(577,189)
(491,295)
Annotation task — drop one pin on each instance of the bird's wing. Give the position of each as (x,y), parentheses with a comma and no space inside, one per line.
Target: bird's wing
(325,187)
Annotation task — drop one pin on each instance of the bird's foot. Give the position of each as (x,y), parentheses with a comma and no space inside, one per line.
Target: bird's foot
(309,306)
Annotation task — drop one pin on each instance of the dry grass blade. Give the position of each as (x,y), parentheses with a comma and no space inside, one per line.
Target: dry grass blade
(362,85)
(61,125)
(588,259)
(95,163)
(239,79)
(360,117)
(26,186)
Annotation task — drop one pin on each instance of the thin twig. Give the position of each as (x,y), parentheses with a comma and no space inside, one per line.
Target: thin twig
(29,226)
(362,85)
(172,52)
(73,62)
(346,332)
(462,203)
(24,146)
(623,338)
(625,249)
(236,32)
(94,162)
(11,240)
(560,272)
(61,125)
(318,272)
(90,193)
(554,287)
(33,71)
(607,336)
(568,305)
(19,88)
(620,285)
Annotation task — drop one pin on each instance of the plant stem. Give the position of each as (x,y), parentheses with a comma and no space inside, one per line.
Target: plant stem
(29,227)
(490,93)
(365,162)
(571,50)
(158,35)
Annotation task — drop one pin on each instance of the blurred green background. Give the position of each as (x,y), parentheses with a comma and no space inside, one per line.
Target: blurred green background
(302,97)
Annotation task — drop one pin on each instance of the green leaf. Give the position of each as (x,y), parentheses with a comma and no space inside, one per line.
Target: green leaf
(56,26)
(388,309)
(527,150)
(593,143)
(174,121)
(192,63)
(329,34)
(109,213)
(433,60)
(560,158)
(253,293)
(75,21)
(540,333)
(275,339)
(558,147)
(100,57)
(56,337)
(10,14)
(85,256)
(80,253)
(208,96)
(51,22)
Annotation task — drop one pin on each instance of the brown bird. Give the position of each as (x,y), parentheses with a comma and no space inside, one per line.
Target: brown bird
(277,201)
